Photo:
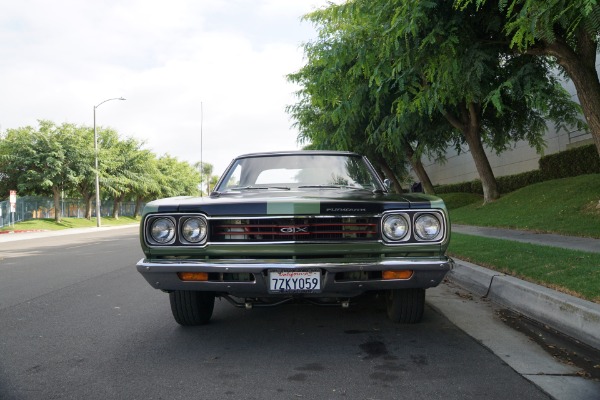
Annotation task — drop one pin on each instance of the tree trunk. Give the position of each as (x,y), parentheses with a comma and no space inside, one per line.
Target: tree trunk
(138,207)
(419,169)
(116,206)
(57,210)
(580,66)
(588,92)
(87,198)
(115,212)
(470,126)
(484,169)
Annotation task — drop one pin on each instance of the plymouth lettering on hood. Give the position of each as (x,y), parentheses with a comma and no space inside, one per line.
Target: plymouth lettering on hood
(345,209)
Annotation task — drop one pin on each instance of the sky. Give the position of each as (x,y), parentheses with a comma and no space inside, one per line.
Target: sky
(196,74)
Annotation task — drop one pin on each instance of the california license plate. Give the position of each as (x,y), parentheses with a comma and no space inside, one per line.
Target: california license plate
(294,281)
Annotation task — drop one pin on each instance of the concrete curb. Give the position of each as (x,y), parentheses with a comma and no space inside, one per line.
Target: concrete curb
(572,316)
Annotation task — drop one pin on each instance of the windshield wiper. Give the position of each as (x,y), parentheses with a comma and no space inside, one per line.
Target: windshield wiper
(250,187)
(330,187)
(319,187)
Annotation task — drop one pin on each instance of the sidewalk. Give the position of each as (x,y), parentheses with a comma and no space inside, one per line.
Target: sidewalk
(25,235)
(577,318)
(545,239)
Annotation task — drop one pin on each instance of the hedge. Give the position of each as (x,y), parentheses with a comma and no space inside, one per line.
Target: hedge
(578,161)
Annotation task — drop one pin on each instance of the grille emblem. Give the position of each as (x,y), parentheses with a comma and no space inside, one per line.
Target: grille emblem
(294,229)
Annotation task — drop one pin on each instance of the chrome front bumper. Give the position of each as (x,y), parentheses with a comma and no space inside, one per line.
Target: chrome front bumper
(163,275)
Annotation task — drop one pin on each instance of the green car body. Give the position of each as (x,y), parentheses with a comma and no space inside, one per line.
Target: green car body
(259,244)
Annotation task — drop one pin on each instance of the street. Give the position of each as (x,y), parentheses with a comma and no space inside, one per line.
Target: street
(78,322)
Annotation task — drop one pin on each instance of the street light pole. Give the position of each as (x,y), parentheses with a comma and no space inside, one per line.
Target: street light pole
(98,205)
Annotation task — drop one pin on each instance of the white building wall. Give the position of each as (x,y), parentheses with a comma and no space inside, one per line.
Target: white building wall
(521,158)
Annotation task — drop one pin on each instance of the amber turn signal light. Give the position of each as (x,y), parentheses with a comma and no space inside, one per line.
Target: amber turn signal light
(404,274)
(193,276)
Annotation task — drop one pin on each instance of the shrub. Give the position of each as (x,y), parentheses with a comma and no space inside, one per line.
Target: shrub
(510,183)
(462,187)
(574,162)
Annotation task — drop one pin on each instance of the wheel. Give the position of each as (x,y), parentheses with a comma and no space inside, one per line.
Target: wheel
(192,308)
(405,305)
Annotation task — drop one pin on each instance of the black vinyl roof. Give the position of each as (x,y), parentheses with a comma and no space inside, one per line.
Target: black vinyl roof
(299,153)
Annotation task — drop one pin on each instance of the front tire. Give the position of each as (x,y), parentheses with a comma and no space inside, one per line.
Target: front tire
(191,308)
(405,306)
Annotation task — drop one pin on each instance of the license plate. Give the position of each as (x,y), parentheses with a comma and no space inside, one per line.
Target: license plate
(294,281)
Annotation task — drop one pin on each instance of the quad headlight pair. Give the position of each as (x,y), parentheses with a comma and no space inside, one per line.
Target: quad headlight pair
(426,226)
(193,230)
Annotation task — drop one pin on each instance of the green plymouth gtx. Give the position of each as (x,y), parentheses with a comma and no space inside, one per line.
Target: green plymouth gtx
(304,226)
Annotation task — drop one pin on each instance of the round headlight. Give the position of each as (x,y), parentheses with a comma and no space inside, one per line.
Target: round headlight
(395,227)
(193,230)
(162,230)
(427,227)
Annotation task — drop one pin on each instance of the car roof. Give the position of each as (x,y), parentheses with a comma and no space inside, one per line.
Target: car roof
(299,152)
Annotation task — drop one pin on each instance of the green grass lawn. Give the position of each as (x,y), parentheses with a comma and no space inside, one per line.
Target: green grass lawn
(458,200)
(48,224)
(569,206)
(573,272)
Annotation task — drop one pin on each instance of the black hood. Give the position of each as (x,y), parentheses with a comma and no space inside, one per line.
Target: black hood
(287,202)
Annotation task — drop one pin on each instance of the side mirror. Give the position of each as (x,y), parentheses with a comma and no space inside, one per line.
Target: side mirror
(387,183)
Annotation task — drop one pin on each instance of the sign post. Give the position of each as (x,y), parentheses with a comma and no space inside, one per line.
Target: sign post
(13,204)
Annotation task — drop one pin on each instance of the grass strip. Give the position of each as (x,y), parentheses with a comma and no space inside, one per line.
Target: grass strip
(573,272)
(458,200)
(48,224)
(569,206)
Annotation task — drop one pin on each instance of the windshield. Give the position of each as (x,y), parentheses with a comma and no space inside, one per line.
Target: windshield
(293,171)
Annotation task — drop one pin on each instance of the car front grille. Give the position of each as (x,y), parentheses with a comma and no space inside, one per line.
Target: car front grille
(295,229)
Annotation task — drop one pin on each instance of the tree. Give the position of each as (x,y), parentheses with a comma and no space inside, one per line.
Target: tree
(206,174)
(124,170)
(337,108)
(39,160)
(566,31)
(80,149)
(437,61)
(168,177)
(9,171)
(214,179)
(150,187)
(50,160)
(179,178)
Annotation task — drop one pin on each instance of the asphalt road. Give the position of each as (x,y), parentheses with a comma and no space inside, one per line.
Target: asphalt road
(78,322)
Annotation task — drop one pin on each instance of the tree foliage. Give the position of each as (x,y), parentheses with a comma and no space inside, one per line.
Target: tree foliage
(206,175)
(337,106)
(413,76)
(564,31)
(41,161)
(53,160)
(178,178)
